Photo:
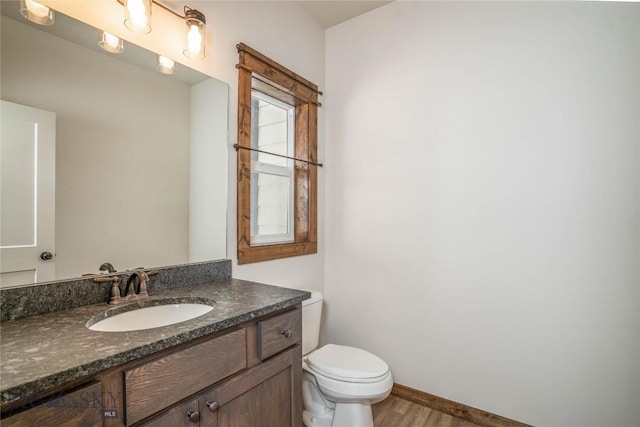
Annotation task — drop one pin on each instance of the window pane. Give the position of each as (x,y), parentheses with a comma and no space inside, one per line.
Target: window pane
(270,130)
(270,205)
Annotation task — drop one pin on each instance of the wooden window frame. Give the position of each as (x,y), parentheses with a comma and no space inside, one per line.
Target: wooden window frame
(275,80)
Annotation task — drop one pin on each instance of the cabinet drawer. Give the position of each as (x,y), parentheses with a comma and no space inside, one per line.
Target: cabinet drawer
(81,407)
(155,385)
(278,333)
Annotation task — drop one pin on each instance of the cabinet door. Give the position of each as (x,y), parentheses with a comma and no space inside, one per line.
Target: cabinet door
(184,415)
(265,396)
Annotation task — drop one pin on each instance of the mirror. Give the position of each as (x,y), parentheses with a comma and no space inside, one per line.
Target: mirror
(140,156)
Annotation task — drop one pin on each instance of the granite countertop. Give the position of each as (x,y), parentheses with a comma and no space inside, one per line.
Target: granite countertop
(41,352)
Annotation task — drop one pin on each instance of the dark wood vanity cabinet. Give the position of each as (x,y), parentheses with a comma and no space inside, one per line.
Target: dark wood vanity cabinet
(224,380)
(267,395)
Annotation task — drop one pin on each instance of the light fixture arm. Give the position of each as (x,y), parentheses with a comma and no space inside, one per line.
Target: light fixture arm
(189,13)
(194,17)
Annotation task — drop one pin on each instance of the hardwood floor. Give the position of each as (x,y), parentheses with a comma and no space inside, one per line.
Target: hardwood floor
(397,412)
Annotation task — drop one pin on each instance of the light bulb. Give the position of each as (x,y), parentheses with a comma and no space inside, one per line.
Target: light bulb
(138,16)
(194,41)
(37,9)
(111,40)
(165,65)
(110,43)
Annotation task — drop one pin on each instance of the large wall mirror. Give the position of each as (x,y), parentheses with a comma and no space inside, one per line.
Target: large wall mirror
(140,157)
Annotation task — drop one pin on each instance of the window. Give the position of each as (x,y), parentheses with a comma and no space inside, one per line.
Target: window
(272,177)
(277,169)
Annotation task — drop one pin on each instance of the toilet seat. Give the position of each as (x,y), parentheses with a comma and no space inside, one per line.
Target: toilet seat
(347,364)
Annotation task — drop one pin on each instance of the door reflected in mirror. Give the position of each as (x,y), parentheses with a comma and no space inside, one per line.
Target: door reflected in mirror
(140,156)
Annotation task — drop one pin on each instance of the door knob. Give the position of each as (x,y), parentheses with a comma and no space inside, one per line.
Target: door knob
(46,256)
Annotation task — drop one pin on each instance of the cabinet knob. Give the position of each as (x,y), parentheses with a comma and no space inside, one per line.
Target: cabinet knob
(213,406)
(194,416)
(286,333)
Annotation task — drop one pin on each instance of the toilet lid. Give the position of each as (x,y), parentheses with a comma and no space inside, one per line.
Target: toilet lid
(347,364)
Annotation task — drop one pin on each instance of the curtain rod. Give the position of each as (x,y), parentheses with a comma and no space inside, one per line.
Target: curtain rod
(237,147)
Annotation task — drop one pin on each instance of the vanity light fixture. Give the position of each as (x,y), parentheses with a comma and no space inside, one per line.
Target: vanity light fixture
(36,12)
(196,22)
(165,65)
(110,43)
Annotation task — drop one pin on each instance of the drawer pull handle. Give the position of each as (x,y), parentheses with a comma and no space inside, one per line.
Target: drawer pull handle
(194,416)
(286,333)
(213,406)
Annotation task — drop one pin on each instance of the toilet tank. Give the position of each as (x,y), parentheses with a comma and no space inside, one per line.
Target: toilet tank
(311,314)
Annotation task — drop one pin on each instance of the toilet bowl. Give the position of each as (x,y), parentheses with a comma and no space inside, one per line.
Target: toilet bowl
(339,382)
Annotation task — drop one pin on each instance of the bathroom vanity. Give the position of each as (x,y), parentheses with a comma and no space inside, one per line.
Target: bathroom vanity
(239,364)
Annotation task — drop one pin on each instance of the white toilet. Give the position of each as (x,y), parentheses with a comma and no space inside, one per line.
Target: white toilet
(339,383)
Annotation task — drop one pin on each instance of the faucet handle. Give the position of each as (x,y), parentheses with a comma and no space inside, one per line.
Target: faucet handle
(144,278)
(115,288)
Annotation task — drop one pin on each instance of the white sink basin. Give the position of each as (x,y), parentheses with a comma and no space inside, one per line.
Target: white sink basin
(151,317)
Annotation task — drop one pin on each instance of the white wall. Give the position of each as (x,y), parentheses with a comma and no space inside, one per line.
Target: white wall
(482,204)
